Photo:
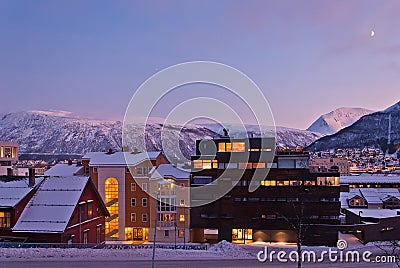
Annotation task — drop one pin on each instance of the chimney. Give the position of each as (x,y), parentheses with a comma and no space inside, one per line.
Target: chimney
(175,161)
(69,162)
(31,177)
(135,150)
(110,151)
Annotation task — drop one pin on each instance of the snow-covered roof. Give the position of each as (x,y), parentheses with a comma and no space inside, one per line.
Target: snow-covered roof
(370,178)
(64,170)
(14,191)
(375,213)
(50,210)
(169,170)
(119,158)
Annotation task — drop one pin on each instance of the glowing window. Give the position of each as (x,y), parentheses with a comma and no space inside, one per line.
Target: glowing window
(181,218)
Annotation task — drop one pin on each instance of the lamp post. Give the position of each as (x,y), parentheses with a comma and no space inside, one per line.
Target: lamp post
(155,231)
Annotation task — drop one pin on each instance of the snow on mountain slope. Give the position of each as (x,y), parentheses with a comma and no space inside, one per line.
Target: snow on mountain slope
(60,132)
(369,130)
(338,119)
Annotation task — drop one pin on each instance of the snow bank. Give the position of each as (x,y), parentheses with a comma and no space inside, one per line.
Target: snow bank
(228,249)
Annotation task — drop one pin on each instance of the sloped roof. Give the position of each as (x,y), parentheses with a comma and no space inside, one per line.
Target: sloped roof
(12,192)
(169,170)
(64,170)
(375,213)
(371,195)
(119,158)
(50,210)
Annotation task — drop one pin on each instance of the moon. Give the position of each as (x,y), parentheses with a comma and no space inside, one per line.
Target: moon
(372,33)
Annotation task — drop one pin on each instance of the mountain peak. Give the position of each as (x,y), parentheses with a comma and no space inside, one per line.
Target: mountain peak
(393,108)
(338,119)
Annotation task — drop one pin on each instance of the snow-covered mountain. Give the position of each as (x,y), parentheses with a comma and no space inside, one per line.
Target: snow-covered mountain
(338,119)
(369,130)
(285,137)
(60,132)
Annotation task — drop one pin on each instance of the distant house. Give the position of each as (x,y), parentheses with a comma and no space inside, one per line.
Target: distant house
(66,170)
(64,210)
(14,196)
(8,156)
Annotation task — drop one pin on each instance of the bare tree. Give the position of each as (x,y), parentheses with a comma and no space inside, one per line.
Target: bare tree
(390,248)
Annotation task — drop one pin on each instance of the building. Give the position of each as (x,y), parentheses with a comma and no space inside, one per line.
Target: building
(172,212)
(373,224)
(63,210)
(122,179)
(367,180)
(8,157)
(14,196)
(327,164)
(68,169)
(289,198)
(51,210)
(370,198)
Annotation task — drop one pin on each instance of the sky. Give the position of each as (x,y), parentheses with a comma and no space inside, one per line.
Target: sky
(307,57)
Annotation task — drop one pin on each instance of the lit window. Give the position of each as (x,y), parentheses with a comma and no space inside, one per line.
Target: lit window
(181,218)
(5,219)
(133,187)
(205,164)
(182,202)
(221,147)
(181,233)
(133,217)
(90,210)
(238,147)
(258,165)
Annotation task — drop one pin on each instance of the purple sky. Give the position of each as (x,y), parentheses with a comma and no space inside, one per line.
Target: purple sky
(308,57)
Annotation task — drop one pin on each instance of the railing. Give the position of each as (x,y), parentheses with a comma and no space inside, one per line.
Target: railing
(163,224)
(113,232)
(102,246)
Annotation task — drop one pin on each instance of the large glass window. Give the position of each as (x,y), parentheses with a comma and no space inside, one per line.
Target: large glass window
(231,146)
(205,164)
(111,200)
(328,181)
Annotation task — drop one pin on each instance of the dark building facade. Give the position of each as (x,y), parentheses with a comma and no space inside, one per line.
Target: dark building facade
(287,199)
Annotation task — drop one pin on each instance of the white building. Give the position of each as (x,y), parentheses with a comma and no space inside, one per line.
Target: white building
(8,156)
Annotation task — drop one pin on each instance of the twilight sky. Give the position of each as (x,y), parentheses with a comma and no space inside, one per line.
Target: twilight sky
(308,57)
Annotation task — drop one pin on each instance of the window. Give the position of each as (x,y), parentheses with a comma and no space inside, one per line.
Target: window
(81,212)
(139,171)
(5,219)
(166,233)
(144,202)
(127,170)
(182,202)
(133,187)
(133,217)
(205,164)
(144,186)
(144,217)
(95,170)
(133,202)
(85,236)
(181,218)
(98,234)
(231,147)
(245,166)
(268,183)
(90,210)
(181,233)
(259,165)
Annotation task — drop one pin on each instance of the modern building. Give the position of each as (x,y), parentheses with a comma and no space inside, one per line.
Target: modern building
(8,157)
(122,179)
(173,220)
(289,198)
(330,164)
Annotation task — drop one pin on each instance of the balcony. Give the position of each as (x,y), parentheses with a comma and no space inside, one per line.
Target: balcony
(166,225)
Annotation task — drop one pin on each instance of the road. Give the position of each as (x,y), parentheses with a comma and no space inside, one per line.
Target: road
(174,263)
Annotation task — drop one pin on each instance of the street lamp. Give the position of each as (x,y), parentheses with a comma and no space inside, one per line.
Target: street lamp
(155,232)
(359,215)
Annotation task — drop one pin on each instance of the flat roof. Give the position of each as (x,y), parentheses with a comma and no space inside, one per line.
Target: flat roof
(375,213)
(370,178)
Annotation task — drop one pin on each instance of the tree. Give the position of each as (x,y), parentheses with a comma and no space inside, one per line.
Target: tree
(390,248)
